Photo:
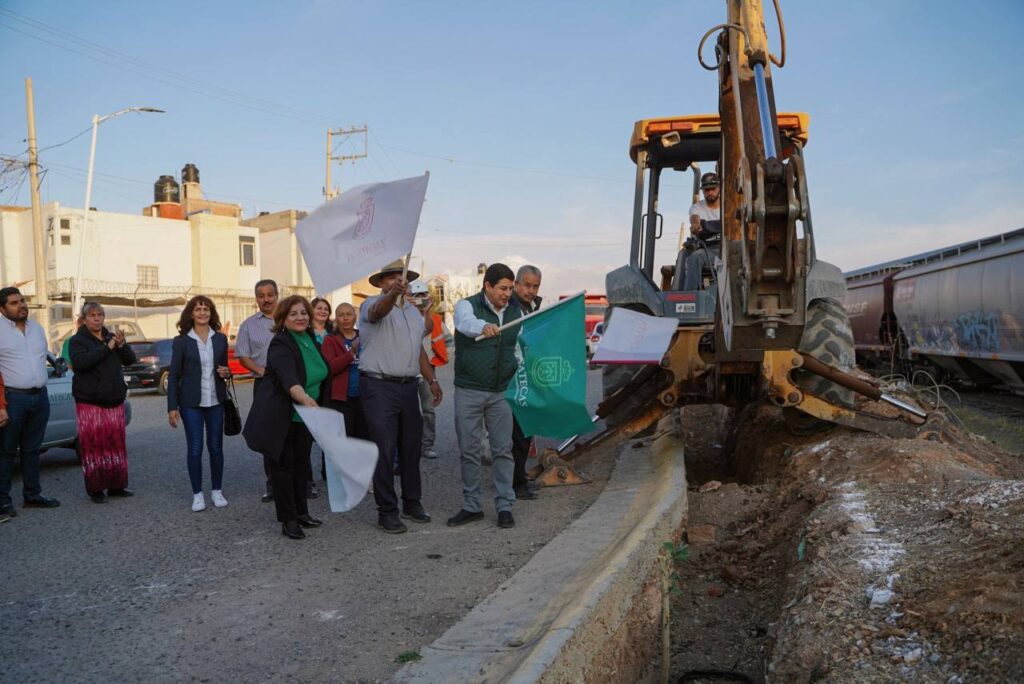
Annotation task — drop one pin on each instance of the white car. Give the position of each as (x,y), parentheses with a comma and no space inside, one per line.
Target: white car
(62,427)
(594,339)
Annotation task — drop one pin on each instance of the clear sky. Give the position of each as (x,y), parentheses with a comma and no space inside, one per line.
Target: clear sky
(522,112)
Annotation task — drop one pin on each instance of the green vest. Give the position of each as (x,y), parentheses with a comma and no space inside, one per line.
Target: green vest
(489,364)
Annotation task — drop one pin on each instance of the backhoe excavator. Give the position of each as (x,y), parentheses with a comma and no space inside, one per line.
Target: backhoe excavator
(770,324)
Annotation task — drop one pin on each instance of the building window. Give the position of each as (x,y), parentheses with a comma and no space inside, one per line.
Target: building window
(65,224)
(148,276)
(65,239)
(246,251)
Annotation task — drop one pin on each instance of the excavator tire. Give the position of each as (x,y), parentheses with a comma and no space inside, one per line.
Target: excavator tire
(828,338)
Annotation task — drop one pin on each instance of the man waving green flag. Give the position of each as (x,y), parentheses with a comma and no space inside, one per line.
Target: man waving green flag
(548,392)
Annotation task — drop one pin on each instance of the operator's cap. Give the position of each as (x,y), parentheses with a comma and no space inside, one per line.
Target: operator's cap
(709,180)
(418,287)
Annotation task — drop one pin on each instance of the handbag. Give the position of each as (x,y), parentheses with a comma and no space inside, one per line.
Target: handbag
(232,418)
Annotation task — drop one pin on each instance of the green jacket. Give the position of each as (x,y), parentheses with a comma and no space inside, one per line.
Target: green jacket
(487,365)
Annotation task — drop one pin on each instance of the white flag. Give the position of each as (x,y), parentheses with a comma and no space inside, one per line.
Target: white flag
(361,230)
(633,337)
(350,462)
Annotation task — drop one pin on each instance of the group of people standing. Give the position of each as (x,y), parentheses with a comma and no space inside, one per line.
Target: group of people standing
(376,367)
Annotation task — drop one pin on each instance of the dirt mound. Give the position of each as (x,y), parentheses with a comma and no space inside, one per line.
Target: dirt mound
(847,556)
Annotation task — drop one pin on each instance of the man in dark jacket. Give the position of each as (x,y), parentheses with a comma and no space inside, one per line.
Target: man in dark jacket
(483,369)
(524,297)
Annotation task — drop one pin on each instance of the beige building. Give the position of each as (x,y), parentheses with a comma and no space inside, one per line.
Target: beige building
(140,267)
(281,259)
(144,267)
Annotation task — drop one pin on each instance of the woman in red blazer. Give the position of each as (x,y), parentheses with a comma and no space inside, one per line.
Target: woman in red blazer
(341,350)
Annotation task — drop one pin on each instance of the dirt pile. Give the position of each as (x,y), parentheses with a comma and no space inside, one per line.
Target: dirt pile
(847,556)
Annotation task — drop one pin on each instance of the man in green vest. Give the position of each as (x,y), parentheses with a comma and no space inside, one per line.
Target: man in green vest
(483,370)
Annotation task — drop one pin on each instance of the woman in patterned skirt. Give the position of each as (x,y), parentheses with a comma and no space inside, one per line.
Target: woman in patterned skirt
(97,355)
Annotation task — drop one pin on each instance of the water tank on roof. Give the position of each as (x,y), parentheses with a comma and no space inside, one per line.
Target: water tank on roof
(166,190)
(189,174)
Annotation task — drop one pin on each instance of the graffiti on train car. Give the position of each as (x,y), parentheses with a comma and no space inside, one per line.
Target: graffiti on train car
(974,332)
(933,337)
(978,331)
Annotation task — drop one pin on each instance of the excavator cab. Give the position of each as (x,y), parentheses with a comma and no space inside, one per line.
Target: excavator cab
(658,147)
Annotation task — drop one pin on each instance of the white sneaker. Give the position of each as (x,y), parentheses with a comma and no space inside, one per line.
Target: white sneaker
(198,502)
(217,496)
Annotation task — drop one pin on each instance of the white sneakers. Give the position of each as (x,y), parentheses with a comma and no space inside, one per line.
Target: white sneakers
(216,496)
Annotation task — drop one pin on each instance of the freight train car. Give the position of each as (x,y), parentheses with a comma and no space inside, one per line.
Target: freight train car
(959,310)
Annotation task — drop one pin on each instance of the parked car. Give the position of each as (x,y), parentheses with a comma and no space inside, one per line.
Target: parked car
(151,371)
(595,338)
(62,427)
(132,332)
(154,357)
(235,365)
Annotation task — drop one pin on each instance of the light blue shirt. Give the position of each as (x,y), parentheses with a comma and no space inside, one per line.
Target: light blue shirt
(22,354)
(468,324)
(392,345)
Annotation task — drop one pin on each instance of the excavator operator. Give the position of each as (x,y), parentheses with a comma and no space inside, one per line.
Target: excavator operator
(705,243)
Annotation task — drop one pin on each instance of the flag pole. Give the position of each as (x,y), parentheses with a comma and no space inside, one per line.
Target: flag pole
(405,271)
(516,322)
(408,257)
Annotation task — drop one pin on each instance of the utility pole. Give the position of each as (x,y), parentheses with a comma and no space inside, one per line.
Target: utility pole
(38,239)
(344,133)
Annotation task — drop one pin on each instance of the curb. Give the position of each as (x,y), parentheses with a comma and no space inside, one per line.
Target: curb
(587,606)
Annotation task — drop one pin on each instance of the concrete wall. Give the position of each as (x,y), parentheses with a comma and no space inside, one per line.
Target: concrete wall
(17,262)
(214,247)
(248,276)
(118,244)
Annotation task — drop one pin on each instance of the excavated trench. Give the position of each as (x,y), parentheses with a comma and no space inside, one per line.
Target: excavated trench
(846,556)
(743,534)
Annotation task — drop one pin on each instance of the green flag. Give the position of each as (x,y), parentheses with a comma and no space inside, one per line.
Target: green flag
(548,393)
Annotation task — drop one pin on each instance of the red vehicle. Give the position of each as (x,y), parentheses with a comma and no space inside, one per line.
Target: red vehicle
(596,304)
(234,364)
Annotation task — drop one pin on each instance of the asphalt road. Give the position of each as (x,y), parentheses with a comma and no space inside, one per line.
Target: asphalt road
(143,589)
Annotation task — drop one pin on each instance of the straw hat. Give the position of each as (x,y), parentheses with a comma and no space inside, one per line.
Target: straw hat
(396,266)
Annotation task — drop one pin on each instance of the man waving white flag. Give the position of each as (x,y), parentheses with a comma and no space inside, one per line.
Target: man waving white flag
(361,230)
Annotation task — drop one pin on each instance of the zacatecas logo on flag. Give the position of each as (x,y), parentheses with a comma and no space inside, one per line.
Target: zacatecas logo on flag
(548,393)
(365,215)
(361,230)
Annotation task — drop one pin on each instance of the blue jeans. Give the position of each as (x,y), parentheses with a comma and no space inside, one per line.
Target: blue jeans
(27,416)
(195,419)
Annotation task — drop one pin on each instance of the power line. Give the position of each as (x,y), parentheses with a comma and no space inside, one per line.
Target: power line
(145,69)
(61,144)
(113,180)
(501,167)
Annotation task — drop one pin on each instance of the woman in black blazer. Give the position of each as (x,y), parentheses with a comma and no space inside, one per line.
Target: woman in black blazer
(196,393)
(295,373)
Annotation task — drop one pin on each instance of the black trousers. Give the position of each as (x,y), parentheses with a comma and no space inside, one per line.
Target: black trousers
(355,425)
(291,472)
(520,452)
(390,409)
(268,465)
(352,410)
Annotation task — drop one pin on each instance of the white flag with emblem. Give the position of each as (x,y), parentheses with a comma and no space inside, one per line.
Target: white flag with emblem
(634,337)
(361,230)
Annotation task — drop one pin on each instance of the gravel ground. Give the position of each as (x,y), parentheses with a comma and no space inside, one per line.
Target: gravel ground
(144,589)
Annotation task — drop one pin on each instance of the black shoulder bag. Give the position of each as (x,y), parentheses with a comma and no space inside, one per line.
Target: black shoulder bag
(232,418)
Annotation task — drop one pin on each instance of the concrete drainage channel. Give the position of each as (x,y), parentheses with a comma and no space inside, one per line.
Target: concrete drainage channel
(588,606)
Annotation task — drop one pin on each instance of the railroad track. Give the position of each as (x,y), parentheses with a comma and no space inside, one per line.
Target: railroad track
(998,405)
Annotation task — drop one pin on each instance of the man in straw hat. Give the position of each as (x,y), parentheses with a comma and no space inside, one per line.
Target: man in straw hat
(391,361)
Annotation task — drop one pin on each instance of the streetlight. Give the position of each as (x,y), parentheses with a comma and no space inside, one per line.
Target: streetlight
(76,300)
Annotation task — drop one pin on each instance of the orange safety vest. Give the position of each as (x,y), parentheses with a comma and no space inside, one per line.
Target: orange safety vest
(437,343)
